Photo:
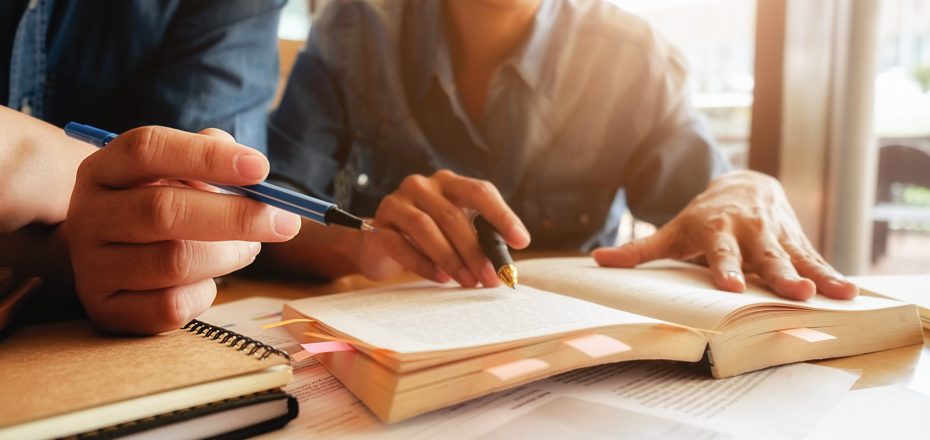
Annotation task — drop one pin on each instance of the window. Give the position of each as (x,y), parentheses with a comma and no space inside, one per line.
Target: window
(901,233)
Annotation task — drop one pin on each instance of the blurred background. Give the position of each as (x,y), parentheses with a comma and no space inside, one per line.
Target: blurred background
(831,97)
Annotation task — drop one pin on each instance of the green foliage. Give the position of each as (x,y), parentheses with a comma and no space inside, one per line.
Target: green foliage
(922,76)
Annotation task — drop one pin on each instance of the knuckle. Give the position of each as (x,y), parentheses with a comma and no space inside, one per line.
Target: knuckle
(774,254)
(414,182)
(445,174)
(142,145)
(240,218)
(721,252)
(718,223)
(388,205)
(419,221)
(163,210)
(177,261)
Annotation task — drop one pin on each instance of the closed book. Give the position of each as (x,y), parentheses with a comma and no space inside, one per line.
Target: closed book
(66,379)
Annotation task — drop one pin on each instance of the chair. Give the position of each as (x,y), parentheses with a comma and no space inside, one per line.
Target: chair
(898,164)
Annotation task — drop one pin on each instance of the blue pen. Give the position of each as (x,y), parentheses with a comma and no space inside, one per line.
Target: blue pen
(312,208)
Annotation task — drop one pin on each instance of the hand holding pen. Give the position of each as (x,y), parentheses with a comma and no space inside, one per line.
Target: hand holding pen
(425,226)
(147,237)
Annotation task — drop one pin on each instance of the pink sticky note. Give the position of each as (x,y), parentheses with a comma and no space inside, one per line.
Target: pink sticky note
(301,355)
(516,369)
(596,346)
(807,334)
(327,347)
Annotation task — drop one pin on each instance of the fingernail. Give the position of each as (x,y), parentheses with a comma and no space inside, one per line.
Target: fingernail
(466,278)
(441,277)
(735,276)
(255,248)
(285,223)
(251,166)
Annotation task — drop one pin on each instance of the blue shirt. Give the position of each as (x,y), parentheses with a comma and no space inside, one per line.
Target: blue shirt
(590,113)
(188,64)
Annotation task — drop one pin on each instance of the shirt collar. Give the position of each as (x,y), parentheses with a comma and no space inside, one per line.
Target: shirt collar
(424,46)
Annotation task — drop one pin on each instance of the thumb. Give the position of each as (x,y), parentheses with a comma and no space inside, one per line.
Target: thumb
(636,252)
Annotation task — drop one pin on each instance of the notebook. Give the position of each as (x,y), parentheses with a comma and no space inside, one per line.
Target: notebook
(65,379)
(417,348)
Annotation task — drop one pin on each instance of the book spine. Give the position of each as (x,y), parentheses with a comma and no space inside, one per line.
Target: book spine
(233,339)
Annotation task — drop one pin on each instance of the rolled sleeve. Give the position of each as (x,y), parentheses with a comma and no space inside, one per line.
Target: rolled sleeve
(678,158)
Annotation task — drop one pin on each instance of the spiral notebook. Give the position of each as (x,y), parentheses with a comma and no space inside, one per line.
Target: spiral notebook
(66,379)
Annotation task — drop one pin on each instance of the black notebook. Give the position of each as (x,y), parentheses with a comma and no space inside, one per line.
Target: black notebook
(65,379)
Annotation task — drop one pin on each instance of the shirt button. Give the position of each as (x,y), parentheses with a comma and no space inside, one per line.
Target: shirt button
(585,220)
(32,4)
(26,107)
(547,224)
(362,180)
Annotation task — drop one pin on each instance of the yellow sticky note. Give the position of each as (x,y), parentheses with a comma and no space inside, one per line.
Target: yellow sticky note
(597,346)
(808,334)
(513,370)
(289,321)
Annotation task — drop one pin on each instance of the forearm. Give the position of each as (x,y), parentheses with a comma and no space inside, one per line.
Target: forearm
(317,252)
(38,164)
(39,250)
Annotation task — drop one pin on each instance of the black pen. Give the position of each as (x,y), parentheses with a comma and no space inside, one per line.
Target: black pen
(496,250)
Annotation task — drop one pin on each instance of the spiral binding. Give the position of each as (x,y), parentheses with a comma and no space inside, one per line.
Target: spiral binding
(233,339)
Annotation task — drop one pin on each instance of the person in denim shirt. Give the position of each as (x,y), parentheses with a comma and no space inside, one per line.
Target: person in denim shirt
(145,239)
(557,113)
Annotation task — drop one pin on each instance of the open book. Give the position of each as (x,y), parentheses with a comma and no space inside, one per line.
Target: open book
(422,347)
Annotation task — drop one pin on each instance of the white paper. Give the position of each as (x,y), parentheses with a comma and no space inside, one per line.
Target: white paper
(883,412)
(651,399)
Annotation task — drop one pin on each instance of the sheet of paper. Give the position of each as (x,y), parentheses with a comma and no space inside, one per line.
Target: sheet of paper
(667,290)
(651,399)
(424,318)
(884,412)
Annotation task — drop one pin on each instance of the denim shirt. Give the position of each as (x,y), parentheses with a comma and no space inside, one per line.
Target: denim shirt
(188,64)
(590,113)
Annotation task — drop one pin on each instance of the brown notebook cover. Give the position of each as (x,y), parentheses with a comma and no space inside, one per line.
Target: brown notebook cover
(61,368)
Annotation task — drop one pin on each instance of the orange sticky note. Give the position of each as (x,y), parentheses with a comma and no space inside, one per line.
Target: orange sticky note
(512,370)
(807,334)
(301,355)
(596,346)
(327,347)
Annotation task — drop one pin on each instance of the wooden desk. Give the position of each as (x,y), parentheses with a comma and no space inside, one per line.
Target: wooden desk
(907,366)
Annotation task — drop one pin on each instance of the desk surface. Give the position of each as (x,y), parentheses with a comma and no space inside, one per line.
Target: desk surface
(907,366)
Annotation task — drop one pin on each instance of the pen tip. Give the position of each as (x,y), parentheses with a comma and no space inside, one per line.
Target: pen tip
(367,227)
(508,274)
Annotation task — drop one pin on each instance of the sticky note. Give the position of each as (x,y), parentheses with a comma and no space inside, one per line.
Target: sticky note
(597,346)
(512,370)
(807,334)
(327,347)
(286,322)
(301,355)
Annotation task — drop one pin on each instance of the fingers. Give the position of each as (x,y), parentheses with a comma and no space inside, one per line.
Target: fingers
(639,251)
(156,213)
(151,153)
(484,198)
(420,229)
(773,264)
(828,281)
(457,228)
(167,263)
(725,261)
(153,311)
(391,244)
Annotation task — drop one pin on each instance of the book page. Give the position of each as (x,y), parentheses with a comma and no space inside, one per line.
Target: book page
(426,317)
(668,290)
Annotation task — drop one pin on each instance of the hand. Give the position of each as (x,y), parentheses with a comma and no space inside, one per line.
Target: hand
(425,227)
(145,247)
(742,217)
